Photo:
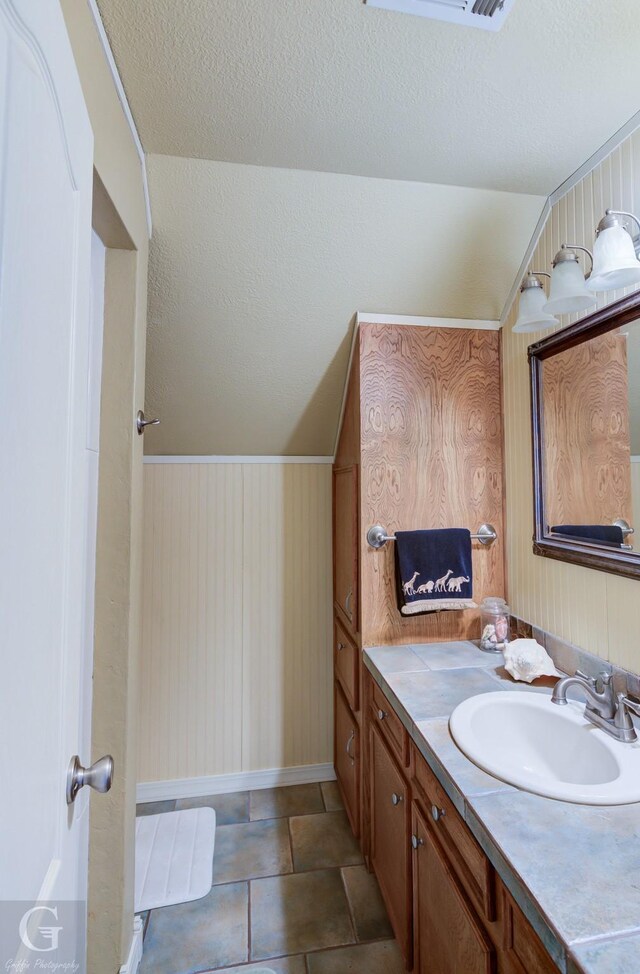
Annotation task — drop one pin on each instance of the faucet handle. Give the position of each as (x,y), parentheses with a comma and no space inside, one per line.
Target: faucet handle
(588,679)
(631,703)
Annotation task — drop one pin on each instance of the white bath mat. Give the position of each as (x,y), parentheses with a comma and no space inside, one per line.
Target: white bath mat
(174,857)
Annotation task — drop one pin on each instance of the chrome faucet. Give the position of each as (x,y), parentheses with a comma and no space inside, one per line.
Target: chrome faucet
(606,709)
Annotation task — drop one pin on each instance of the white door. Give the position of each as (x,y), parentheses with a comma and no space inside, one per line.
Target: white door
(48,482)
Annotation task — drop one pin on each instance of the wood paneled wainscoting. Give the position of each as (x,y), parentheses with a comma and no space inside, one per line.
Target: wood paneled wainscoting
(420,447)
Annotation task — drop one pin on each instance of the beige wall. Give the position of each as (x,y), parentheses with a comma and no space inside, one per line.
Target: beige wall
(595,610)
(236,648)
(119,514)
(255,274)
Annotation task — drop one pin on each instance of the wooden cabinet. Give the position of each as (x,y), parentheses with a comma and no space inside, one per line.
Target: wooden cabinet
(389,724)
(347,758)
(390,849)
(463,852)
(449,937)
(449,910)
(346,663)
(521,950)
(345,544)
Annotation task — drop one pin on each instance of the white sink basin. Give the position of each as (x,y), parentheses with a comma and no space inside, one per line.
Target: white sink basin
(527,741)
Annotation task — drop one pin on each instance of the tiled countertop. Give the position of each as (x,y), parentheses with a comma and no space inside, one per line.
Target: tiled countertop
(574,870)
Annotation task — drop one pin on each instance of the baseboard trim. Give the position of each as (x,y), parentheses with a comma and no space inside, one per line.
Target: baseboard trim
(135,950)
(222,784)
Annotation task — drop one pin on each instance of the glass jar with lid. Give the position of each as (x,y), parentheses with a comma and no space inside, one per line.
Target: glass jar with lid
(494,624)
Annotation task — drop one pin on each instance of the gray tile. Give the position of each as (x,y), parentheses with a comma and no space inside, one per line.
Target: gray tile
(396,659)
(570,658)
(207,933)
(324,840)
(453,655)
(626,682)
(154,808)
(456,773)
(570,858)
(298,913)
(540,636)
(380,958)
(280,965)
(230,809)
(607,956)
(283,802)
(331,796)
(367,907)
(436,694)
(249,850)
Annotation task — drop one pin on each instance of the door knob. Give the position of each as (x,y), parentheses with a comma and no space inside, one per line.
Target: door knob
(99,776)
(141,422)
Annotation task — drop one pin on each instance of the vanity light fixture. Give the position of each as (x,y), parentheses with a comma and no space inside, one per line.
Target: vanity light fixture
(568,291)
(615,264)
(532,315)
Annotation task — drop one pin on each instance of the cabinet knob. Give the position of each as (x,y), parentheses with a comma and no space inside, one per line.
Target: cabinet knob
(340,647)
(382,714)
(437,813)
(416,841)
(396,799)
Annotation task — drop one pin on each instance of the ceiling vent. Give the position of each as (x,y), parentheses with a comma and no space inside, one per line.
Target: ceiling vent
(487,14)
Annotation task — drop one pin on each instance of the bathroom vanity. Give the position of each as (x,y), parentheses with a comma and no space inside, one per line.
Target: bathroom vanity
(449,908)
(477,875)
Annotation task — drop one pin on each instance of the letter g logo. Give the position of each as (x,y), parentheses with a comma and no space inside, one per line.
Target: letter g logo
(51,934)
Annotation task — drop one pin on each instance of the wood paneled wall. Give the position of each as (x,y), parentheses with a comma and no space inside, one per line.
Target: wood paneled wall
(592,609)
(431,441)
(236,644)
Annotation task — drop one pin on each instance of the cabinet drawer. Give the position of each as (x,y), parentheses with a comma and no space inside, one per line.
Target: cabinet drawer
(346,663)
(468,859)
(389,724)
(347,758)
(522,949)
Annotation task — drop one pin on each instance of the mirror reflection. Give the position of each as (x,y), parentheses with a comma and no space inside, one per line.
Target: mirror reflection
(590,397)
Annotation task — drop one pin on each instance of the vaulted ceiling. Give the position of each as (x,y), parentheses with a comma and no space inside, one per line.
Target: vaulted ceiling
(257,269)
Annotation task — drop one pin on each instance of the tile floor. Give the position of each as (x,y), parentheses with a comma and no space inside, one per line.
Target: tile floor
(290,893)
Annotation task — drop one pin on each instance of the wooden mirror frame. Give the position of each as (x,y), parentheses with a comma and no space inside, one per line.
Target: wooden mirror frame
(591,555)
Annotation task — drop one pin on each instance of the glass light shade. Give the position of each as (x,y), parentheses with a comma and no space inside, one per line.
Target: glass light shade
(568,291)
(532,317)
(615,264)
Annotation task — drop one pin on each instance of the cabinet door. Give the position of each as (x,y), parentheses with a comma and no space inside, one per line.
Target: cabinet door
(346,662)
(522,950)
(345,544)
(347,758)
(449,938)
(390,844)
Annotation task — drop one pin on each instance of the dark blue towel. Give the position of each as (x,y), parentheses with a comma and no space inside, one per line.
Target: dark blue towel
(607,533)
(433,570)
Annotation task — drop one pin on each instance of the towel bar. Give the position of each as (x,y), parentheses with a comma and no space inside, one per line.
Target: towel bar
(377,535)
(624,526)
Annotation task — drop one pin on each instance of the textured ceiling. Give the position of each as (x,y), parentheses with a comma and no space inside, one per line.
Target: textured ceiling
(337,86)
(255,275)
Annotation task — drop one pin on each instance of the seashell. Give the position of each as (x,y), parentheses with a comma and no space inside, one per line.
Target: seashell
(526,660)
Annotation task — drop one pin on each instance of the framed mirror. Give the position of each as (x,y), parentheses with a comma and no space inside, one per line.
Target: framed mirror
(585,396)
